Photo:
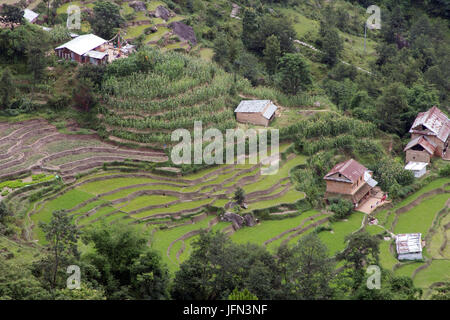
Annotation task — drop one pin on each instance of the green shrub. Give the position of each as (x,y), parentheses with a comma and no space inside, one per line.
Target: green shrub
(445,171)
(342,208)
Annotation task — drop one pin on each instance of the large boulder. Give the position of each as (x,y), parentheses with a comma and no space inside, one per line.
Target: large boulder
(138,5)
(239,221)
(250,220)
(163,13)
(184,32)
(236,220)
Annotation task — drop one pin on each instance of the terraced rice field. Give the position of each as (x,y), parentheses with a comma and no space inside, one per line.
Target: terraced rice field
(426,211)
(174,209)
(37,146)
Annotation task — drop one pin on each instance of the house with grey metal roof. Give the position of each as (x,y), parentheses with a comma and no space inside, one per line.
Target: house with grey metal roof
(258,112)
(409,246)
(30,15)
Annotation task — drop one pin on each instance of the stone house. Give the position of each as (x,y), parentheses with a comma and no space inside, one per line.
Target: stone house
(258,112)
(429,137)
(349,180)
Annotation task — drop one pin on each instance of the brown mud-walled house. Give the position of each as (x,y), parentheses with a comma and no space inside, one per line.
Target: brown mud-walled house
(429,137)
(258,112)
(349,180)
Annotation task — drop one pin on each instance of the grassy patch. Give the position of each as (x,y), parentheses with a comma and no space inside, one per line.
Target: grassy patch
(335,239)
(419,218)
(268,229)
(146,200)
(438,271)
(67,201)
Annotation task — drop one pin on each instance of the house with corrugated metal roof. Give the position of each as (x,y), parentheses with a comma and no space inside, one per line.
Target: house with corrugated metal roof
(30,15)
(409,246)
(418,168)
(87,48)
(258,112)
(349,180)
(430,134)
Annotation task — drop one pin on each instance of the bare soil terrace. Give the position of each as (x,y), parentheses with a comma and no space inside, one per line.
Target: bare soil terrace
(37,146)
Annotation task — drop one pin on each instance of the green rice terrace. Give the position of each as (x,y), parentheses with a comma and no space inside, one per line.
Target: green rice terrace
(174,209)
(103,183)
(426,211)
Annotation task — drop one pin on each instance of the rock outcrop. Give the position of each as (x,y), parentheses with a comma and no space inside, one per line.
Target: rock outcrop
(138,5)
(184,32)
(239,221)
(163,13)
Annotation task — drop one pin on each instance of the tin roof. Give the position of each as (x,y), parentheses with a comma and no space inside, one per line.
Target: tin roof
(96,54)
(30,15)
(83,44)
(415,166)
(368,178)
(428,145)
(435,121)
(350,169)
(270,111)
(251,105)
(408,243)
(266,107)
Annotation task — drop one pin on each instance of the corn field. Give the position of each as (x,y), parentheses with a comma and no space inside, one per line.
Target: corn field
(177,90)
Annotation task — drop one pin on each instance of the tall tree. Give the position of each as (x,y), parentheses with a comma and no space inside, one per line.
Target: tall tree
(272,53)
(250,29)
(239,196)
(106,19)
(309,269)
(221,48)
(37,61)
(62,237)
(293,75)
(149,277)
(362,250)
(393,109)
(11,15)
(217,266)
(128,269)
(7,88)
(332,47)
(83,96)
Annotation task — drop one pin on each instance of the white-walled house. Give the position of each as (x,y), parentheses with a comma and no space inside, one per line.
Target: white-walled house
(418,168)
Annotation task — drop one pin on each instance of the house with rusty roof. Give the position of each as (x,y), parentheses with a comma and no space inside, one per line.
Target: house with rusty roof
(429,137)
(349,180)
(259,112)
